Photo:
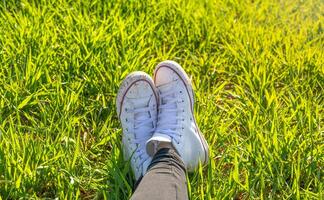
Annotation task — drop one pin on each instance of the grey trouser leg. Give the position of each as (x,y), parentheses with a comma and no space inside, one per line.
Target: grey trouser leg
(165,178)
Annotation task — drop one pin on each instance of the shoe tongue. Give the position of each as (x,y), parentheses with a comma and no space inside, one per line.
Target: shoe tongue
(165,89)
(141,102)
(142,116)
(167,101)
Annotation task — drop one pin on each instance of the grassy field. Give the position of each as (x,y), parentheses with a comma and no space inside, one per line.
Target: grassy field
(258,71)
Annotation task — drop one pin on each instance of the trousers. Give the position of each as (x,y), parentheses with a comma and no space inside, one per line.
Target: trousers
(165,178)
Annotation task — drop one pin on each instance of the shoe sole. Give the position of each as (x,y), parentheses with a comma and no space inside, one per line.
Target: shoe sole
(128,82)
(185,79)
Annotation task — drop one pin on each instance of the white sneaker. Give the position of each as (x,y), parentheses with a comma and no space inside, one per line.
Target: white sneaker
(137,110)
(176,121)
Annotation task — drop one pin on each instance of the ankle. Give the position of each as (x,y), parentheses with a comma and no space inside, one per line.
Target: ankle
(164,145)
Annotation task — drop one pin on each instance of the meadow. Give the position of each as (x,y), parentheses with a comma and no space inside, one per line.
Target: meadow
(257,67)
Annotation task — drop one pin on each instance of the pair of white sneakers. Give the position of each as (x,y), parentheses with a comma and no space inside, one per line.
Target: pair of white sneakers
(159,111)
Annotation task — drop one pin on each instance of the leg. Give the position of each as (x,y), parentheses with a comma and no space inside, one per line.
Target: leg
(165,178)
(170,134)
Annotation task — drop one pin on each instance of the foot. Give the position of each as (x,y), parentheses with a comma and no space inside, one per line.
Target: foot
(176,121)
(137,110)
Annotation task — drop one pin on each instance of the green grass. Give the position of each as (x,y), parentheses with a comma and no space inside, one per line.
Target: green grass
(257,68)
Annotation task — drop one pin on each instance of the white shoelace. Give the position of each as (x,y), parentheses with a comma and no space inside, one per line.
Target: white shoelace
(144,119)
(168,116)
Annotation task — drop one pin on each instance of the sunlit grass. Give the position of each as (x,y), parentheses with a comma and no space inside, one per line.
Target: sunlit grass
(257,68)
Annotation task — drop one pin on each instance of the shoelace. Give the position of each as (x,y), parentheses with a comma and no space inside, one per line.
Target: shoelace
(168,117)
(140,122)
